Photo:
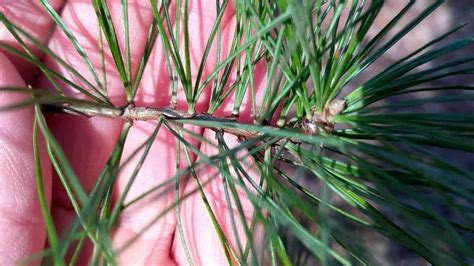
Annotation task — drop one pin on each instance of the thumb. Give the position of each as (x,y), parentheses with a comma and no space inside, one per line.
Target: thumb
(21,222)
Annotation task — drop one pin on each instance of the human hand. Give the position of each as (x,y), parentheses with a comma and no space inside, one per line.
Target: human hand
(88,142)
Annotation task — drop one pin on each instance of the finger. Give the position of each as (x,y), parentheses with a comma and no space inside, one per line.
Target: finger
(31,17)
(21,221)
(88,142)
(155,89)
(80,18)
(154,244)
(197,225)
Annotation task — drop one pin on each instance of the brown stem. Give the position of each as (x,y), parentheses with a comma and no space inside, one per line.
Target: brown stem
(134,113)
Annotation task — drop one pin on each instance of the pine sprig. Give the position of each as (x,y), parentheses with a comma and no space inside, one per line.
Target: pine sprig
(367,146)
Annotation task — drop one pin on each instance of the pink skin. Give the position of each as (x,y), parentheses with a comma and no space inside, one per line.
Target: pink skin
(88,142)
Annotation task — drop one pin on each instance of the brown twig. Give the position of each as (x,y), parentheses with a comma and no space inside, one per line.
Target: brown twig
(135,113)
(132,113)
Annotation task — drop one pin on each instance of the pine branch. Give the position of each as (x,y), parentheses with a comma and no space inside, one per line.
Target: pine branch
(132,113)
(137,113)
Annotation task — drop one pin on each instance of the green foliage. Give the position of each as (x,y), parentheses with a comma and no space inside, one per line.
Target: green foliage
(376,154)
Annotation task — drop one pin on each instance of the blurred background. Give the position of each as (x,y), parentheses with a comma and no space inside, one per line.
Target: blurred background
(451,14)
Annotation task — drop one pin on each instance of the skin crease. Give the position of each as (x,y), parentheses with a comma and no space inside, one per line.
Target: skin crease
(88,142)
